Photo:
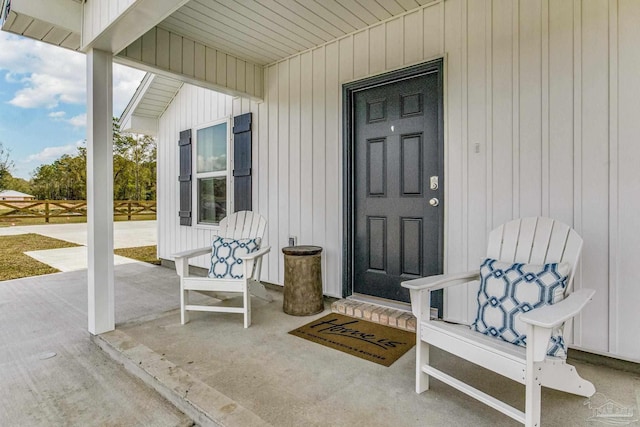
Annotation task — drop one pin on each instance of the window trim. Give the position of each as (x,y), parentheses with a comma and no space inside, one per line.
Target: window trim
(199,175)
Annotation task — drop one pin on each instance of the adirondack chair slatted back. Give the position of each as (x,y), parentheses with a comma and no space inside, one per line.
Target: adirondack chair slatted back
(242,225)
(532,241)
(238,225)
(536,241)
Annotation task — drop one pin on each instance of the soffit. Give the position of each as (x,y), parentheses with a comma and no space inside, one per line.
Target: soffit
(259,31)
(157,97)
(40,30)
(266,31)
(152,97)
(55,22)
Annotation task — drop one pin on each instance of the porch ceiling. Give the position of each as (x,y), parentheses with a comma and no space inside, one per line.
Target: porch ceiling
(258,31)
(265,31)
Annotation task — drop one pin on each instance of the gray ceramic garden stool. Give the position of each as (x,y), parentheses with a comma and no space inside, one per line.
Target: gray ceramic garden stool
(302,280)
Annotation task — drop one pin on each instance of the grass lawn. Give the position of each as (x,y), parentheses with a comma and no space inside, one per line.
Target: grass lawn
(141,253)
(14,264)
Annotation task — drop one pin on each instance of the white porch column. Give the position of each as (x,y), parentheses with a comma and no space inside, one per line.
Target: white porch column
(101,307)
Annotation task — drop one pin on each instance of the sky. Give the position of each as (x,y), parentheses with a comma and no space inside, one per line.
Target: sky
(43,100)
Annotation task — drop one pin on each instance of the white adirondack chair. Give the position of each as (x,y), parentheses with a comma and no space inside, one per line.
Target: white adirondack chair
(239,225)
(528,240)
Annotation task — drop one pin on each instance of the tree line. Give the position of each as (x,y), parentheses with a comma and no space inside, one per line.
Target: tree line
(134,171)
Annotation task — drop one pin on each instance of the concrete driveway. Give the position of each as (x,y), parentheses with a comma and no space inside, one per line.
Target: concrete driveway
(126,234)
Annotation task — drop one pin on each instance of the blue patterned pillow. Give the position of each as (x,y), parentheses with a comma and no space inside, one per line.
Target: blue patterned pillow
(508,290)
(225,256)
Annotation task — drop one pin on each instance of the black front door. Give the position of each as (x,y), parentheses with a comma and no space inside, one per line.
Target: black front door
(397,184)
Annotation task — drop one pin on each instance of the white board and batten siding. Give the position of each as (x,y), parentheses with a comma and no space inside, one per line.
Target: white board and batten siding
(192,107)
(539,98)
(160,50)
(541,119)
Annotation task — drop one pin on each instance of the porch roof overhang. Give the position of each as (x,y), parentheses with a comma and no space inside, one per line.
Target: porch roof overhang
(151,99)
(56,22)
(222,45)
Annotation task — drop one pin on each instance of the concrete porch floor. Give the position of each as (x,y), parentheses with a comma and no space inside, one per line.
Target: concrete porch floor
(50,372)
(220,373)
(223,373)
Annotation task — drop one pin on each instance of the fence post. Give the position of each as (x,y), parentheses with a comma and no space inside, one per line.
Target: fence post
(129,210)
(46,211)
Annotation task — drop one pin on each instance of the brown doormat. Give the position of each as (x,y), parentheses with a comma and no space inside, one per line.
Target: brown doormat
(371,341)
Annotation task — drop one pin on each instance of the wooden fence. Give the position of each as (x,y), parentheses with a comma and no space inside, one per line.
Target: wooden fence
(47,209)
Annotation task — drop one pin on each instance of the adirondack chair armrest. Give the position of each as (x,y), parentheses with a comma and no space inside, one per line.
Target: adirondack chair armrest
(253,263)
(182,259)
(257,254)
(441,281)
(420,289)
(551,316)
(192,253)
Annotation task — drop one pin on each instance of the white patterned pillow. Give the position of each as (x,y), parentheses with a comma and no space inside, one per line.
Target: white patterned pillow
(507,290)
(225,256)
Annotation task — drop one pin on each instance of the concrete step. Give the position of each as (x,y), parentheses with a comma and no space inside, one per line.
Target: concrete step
(387,316)
(202,403)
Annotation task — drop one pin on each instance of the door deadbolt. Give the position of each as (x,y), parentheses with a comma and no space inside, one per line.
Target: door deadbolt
(433,183)
(434,202)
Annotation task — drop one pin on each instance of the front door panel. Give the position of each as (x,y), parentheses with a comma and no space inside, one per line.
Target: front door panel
(397,144)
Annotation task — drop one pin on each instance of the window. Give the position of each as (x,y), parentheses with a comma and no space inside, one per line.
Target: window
(207,189)
(212,163)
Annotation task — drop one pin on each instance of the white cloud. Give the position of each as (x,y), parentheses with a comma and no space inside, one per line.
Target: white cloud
(125,82)
(49,75)
(78,121)
(50,154)
(52,76)
(25,167)
(57,114)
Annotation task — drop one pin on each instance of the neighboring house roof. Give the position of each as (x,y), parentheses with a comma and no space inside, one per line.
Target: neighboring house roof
(151,99)
(13,193)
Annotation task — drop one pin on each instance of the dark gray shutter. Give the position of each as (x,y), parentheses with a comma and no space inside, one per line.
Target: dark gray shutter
(184,145)
(242,162)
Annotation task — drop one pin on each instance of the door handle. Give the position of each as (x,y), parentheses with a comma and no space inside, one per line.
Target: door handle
(434,202)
